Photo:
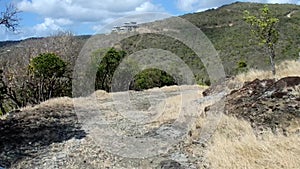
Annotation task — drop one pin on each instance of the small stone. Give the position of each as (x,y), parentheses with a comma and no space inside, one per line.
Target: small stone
(169,164)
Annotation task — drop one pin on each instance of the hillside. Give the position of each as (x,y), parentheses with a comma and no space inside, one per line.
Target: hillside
(232,38)
(224,27)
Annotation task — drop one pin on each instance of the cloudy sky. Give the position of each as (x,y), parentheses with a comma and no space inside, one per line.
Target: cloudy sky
(45,17)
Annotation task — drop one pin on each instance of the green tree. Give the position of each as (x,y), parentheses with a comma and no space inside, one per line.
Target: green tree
(109,61)
(47,65)
(264,27)
(150,78)
(47,76)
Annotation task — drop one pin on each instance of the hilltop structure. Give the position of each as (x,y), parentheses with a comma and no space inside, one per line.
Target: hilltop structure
(126,27)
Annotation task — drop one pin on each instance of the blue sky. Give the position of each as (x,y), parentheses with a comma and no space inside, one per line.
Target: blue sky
(46,17)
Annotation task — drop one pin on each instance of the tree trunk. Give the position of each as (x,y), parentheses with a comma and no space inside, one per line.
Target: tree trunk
(272,59)
(2,109)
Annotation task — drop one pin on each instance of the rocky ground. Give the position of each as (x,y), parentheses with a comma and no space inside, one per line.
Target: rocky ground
(268,104)
(94,133)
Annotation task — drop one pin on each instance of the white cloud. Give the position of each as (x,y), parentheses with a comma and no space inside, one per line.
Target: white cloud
(186,5)
(52,25)
(148,7)
(83,11)
(197,5)
(63,14)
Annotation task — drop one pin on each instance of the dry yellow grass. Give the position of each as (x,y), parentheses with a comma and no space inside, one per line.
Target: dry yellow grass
(61,101)
(284,69)
(234,145)
(178,108)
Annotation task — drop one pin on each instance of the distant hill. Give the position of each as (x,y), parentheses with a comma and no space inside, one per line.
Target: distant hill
(232,38)
(229,34)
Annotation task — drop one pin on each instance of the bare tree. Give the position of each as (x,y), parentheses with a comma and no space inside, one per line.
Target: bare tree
(9,18)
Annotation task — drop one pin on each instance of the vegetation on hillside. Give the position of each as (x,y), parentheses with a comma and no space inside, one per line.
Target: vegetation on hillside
(45,78)
(264,27)
(229,33)
(152,40)
(106,66)
(151,78)
(48,74)
(106,61)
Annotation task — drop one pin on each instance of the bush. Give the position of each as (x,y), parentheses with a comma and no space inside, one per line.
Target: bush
(151,78)
(47,78)
(241,66)
(47,65)
(106,68)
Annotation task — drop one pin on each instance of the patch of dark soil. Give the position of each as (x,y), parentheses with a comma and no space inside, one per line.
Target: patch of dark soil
(25,133)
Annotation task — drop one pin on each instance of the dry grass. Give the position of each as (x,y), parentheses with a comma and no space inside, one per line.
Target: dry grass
(70,102)
(284,69)
(179,107)
(61,101)
(234,145)
(176,108)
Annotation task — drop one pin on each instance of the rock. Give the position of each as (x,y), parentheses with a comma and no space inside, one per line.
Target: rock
(169,164)
(288,82)
(266,103)
(223,85)
(179,157)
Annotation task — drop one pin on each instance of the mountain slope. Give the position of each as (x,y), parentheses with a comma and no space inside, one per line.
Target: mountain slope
(230,36)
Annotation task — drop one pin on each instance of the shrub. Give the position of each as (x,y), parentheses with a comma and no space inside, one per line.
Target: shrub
(150,78)
(110,60)
(241,66)
(47,80)
(47,65)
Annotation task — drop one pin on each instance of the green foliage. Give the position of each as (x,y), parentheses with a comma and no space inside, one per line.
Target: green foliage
(233,42)
(155,41)
(47,78)
(110,60)
(42,79)
(150,78)
(265,28)
(241,66)
(229,34)
(47,65)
